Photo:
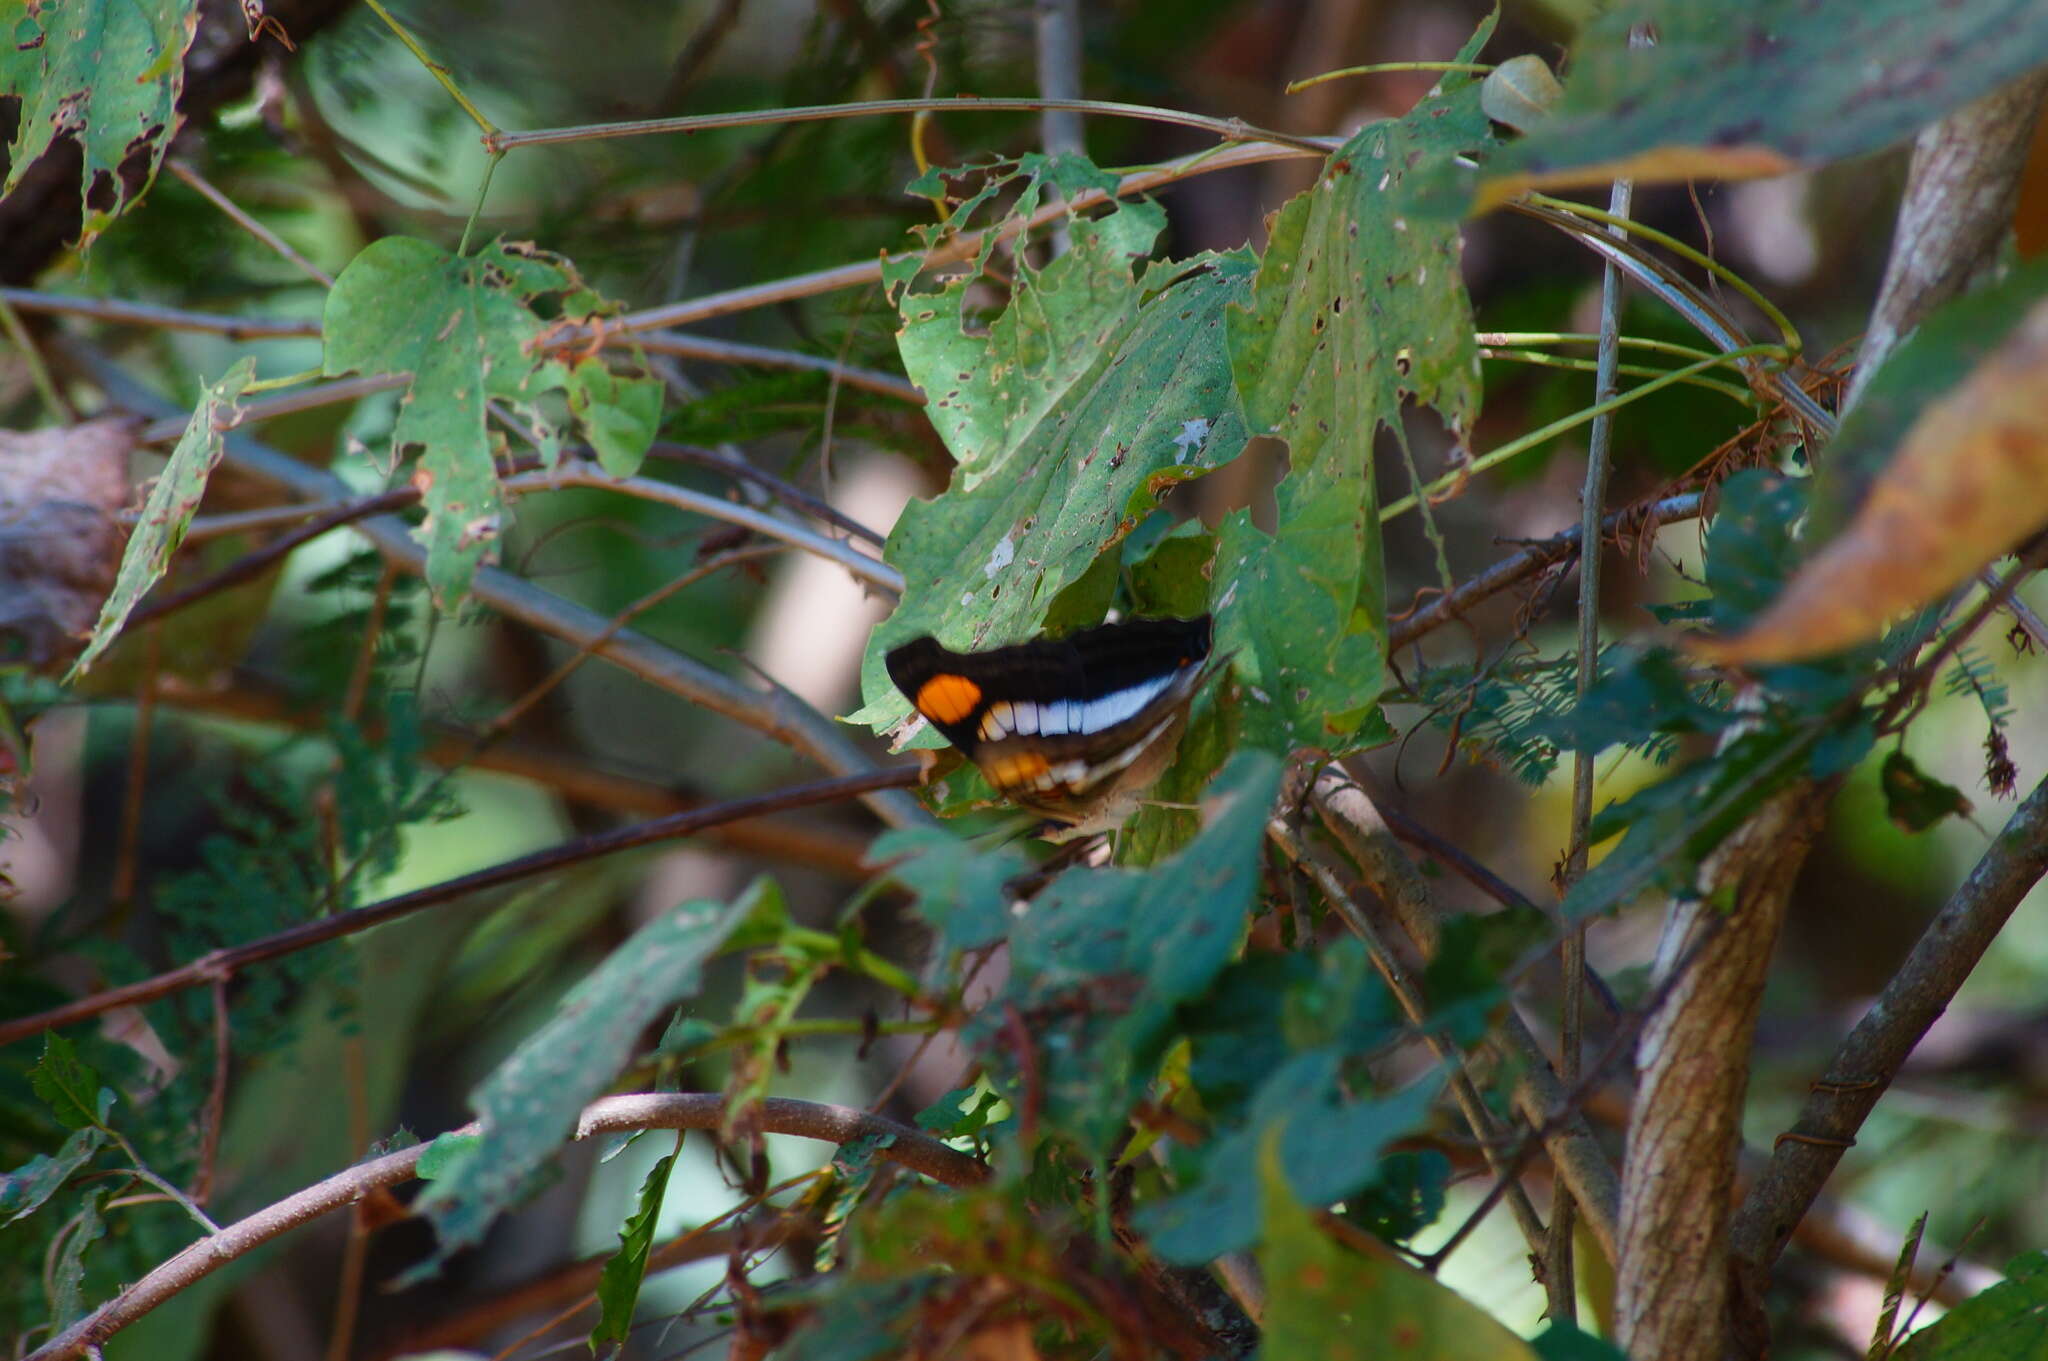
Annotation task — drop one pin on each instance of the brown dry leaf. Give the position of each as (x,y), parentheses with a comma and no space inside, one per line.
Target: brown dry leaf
(1664,165)
(1009,1340)
(60,542)
(1969,481)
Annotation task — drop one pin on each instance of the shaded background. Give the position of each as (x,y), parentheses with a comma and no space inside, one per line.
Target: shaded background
(352,140)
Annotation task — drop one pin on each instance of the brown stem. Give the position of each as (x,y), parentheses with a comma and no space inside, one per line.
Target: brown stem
(1866,1062)
(308,934)
(900,1144)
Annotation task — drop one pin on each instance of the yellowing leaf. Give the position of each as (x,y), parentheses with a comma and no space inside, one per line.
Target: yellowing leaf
(1968,482)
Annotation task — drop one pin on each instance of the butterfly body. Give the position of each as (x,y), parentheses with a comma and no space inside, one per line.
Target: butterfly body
(1074,728)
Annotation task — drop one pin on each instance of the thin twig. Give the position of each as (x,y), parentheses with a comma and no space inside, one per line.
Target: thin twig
(1227,129)
(1560,1280)
(233,958)
(183,170)
(1867,1060)
(895,1143)
(1511,571)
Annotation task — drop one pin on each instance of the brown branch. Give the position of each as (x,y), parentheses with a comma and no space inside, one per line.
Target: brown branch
(228,960)
(775,714)
(1685,1126)
(1867,1061)
(1957,208)
(900,1144)
(575,1281)
(1513,570)
(1537,1094)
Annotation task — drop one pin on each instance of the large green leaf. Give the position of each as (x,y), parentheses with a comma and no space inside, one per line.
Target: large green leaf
(1325,1302)
(529,1104)
(1355,306)
(2004,1323)
(1088,397)
(1151,939)
(106,73)
(1759,87)
(168,511)
(465,329)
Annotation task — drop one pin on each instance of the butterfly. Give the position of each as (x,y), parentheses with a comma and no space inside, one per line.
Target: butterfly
(1074,728)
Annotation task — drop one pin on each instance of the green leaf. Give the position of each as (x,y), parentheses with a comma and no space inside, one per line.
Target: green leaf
(168,511)
(1335,1305)
(1069,417)
(1673,825)
(529,1104)
(959,884)
(619,414)
(1760,87)
(1563,1341)
(952,1117)
(24,1190)
(618,1286)
(463,327)
(444,1153)
(2003,1323)
(1330,1150)
(66,1085)
(104,73)
(1915,800)
(67,1298)
(1156,938)
(1355,307)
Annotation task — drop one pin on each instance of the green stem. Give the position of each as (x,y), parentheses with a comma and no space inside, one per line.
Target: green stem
(476,210)
(1670,347)
(1786,330)
(1559,361)
(1374,68)
(436,70)
(286,381)
(1229,129)
(1537,437)
(38,371)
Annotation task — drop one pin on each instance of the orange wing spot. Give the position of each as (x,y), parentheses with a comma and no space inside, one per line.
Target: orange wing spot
(1018,770)
(947,698)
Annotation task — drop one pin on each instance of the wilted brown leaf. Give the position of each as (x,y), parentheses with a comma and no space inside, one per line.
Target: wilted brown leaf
(1969,481)
(59,539)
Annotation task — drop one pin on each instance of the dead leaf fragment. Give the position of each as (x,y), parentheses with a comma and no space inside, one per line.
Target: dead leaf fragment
(1969,481)
(60,540)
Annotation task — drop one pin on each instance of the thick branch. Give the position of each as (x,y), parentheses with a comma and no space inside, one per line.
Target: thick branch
(1867,1061)
(1957,208)
(1685,1128)
(899,1144)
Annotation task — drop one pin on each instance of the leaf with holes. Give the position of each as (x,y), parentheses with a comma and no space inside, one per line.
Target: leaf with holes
(172,502)
(465,328)
(1738,88)
(105,74)
(1076,409)
(1356,306)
